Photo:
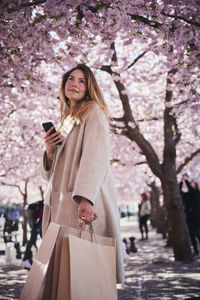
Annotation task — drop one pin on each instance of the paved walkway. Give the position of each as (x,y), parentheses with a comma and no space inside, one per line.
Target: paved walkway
(151,273)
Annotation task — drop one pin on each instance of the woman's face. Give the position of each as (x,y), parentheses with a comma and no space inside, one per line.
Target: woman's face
(75,87)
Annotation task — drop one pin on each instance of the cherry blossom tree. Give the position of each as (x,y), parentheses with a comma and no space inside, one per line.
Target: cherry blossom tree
(166,169)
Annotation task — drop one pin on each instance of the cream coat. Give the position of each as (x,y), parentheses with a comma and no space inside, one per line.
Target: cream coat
(81,168)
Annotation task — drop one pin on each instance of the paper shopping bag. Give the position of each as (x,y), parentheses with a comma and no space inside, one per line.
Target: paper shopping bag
(67,263)
(34,284)
(92,270)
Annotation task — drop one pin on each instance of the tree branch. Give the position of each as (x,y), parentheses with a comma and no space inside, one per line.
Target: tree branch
(94,9)
(146,21)
(118,119)
(133,133)
(107,69)
(17,186)
(24,5)
(13,185)
(141,163)
(33,3)
(137,58)
(117,160)
(194,23)
(187,160)
(127,117)
(148,120)
(11,112)
(152,159)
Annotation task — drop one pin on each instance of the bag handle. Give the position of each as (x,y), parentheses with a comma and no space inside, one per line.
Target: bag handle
(82,225)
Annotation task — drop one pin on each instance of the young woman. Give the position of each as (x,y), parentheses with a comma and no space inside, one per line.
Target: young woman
(144,213)
(81,185)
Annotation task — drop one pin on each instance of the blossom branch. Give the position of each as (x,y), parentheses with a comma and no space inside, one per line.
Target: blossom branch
(146,21)
(187,160)
(25,5)
(137,58)
(13,185)
(151,156)
(194,23)
(128,117)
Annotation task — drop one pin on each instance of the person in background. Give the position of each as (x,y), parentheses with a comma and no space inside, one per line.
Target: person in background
(35,211)
(195,194)
(191,202)
(194,189)
(11,223)
(144,213)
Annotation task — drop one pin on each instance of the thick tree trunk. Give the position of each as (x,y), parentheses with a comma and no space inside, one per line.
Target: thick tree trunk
(177,227)
(176,223)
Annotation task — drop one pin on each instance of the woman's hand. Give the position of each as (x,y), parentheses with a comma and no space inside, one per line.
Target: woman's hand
(86,211)
(51,140)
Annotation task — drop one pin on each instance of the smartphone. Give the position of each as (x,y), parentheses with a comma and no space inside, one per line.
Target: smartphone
(47,126)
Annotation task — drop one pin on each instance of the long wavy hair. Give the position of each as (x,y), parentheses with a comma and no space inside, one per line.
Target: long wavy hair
(83,107)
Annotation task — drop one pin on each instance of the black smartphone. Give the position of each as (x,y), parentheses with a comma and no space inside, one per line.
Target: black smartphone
(47,126)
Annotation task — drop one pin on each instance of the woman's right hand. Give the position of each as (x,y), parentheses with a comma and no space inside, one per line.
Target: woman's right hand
(51,140)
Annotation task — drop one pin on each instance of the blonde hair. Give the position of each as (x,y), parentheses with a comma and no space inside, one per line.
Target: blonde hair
(83,108)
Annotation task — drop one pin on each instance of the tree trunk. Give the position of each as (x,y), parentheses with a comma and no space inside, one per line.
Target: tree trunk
(177,227)
(24,223)
(158,214)
(176,222)
(41,192)
(179,238)
(153,199)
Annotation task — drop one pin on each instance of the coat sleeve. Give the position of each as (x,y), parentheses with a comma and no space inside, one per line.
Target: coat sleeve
(189,186)
(180,187)
(43,169)
(94,161)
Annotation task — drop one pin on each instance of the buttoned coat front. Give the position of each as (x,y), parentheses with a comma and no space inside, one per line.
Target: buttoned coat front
(81,168)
